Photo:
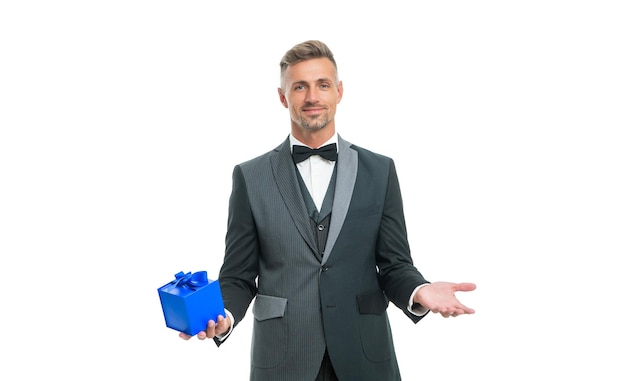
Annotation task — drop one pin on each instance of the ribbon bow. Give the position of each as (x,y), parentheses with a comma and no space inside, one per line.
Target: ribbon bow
(191,281)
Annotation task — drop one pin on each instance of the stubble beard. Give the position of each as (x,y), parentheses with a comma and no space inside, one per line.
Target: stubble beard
(314,124)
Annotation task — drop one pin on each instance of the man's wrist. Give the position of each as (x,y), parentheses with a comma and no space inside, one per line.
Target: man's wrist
(415,307)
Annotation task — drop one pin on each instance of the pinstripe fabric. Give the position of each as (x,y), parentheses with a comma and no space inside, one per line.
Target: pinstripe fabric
(277,201)
(304,303)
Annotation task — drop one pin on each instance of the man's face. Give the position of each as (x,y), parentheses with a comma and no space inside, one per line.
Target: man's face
(311,93)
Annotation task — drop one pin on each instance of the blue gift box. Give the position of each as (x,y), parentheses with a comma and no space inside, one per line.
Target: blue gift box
(190,301)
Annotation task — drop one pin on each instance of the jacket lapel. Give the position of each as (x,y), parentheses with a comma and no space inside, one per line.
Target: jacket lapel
(287,183)
(347,166)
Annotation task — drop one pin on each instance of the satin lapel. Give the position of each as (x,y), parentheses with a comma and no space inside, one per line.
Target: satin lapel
(287,183)
(347,166)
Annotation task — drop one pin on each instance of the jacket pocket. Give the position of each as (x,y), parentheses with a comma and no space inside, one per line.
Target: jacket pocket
(373,302)
(269,332)
(268,307)
(376,339)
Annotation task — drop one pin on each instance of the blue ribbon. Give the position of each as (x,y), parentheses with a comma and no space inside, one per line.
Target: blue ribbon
(191,281)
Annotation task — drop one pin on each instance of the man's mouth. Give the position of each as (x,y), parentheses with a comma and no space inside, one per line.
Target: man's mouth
(313,110)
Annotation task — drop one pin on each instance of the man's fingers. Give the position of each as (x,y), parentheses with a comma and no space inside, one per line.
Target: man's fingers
(453,311)
(210,331)
(222,325)
(465,286)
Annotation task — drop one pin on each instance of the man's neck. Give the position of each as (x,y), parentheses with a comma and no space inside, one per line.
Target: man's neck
(296,141)
(313,139)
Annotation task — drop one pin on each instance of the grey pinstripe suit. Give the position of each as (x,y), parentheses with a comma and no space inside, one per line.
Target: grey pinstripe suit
(306,302)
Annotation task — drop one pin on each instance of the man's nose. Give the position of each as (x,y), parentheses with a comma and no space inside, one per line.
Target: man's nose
(312,95)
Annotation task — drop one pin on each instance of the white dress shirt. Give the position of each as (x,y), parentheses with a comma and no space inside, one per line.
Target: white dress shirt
(315,171)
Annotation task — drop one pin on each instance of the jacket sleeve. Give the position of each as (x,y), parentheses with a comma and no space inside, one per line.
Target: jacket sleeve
(398,276)
(241,260)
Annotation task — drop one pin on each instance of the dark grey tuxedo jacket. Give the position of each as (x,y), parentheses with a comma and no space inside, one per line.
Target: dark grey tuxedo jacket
(306,302)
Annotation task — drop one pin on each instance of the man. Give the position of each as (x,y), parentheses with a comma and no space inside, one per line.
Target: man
(320,243)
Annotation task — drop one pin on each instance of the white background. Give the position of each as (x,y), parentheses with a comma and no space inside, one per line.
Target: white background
(121,122)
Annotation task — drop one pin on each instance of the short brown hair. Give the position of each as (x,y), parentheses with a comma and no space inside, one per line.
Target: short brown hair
(305,51)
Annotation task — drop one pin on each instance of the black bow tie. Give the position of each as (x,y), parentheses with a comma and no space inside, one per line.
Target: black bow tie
(328,152)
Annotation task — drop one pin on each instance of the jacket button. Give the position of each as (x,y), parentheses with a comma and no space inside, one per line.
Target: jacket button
(324,268)
(320,227)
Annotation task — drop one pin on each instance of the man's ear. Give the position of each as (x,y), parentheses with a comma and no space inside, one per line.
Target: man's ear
(283,99)
(339,91)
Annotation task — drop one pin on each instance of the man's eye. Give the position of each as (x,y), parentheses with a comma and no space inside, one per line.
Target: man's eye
(325,86)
